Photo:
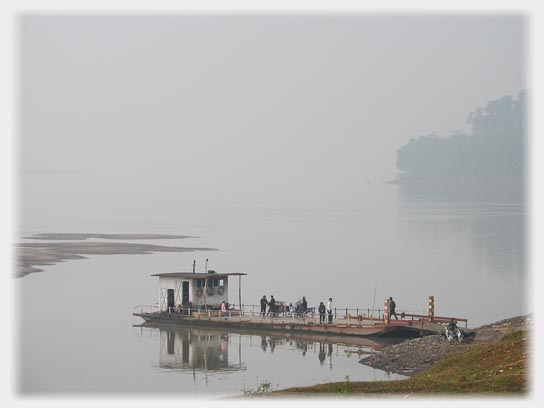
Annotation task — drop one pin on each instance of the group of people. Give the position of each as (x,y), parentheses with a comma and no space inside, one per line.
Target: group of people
(322,308)
(272,309)
(328,309)
(271,306)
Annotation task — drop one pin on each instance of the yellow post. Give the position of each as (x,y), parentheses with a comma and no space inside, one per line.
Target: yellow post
(431,308)
(386,311)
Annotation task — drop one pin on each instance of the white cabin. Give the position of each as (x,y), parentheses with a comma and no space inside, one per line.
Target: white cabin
(193,290)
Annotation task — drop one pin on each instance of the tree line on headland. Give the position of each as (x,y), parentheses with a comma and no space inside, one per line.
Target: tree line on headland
(489,161)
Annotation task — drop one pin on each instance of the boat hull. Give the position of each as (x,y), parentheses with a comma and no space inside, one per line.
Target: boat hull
(405,329)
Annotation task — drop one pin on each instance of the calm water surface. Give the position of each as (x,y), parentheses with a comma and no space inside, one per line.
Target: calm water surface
(76,326)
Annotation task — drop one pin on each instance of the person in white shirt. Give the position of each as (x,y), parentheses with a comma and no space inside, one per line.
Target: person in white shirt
(329,310)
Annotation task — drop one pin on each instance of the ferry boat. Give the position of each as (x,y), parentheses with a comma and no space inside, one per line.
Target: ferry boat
(194,299)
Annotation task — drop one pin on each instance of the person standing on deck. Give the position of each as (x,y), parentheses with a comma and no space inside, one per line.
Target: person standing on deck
(321,310)
(329,310)
(304,304)
(264,302)
(224,310)
(272,306)
(392,306)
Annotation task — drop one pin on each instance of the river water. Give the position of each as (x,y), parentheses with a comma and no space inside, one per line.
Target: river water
(77,333)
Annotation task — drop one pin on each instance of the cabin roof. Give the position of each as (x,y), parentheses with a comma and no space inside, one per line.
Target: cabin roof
(196,275)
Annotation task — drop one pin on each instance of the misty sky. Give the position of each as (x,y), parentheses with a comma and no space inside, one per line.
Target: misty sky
(281,109)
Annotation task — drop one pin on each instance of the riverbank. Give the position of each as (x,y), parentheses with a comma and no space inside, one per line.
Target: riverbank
(413,356)
(496,363)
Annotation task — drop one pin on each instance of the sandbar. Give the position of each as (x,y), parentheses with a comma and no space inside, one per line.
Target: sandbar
(77,236)
(32,254)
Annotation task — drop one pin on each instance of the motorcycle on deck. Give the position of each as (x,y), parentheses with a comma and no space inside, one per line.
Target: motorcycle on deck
(298,310)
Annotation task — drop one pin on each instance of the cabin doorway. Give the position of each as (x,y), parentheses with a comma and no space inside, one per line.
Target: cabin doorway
(170,299)
(185,294)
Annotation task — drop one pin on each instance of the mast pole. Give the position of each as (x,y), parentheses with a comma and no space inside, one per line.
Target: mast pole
(240,292)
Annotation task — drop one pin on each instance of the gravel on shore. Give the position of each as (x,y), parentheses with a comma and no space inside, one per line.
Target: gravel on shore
(415,355)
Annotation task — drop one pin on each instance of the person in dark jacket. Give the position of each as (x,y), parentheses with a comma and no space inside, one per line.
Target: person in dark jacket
(452,331)
(392,306)
(272,306)
(321,309)
(264,302)
(304,304)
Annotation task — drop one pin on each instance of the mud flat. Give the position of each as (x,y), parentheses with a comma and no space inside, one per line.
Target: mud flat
(31,255)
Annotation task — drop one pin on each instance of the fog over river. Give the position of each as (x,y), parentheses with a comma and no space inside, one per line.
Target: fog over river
(264,144)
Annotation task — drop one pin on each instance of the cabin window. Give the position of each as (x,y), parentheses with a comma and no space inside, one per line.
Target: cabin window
(209,282)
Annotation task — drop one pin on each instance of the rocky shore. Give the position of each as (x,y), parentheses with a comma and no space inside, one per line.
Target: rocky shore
(415,355)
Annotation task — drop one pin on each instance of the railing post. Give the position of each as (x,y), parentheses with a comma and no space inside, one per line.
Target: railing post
(431,308)
(386,311)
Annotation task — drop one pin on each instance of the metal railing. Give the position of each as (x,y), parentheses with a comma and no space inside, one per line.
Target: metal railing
(144,309)
(349,316)
(339,313)
(187,311)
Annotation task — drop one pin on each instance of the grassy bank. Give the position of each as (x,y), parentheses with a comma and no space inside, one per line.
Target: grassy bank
(493,368)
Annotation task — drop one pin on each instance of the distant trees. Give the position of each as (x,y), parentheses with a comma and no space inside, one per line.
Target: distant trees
(492,157)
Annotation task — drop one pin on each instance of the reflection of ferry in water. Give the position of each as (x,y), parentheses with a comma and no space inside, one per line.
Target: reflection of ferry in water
(196,350)
(205,350)
(195,299)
